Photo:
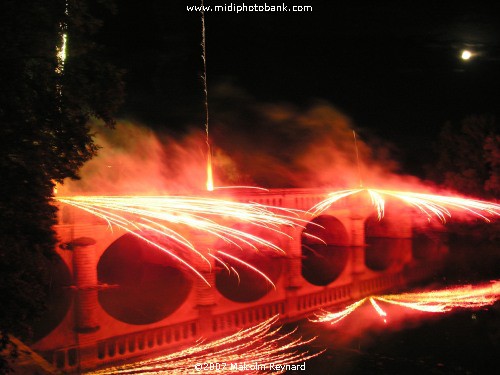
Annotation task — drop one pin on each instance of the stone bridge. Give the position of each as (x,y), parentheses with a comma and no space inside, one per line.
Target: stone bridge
(124,299)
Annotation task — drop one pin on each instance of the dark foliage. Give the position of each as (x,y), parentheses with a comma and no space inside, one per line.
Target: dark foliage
(45,136)
(468,161)
(468,157)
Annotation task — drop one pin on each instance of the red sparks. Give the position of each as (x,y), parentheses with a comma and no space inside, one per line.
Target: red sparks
(437,301)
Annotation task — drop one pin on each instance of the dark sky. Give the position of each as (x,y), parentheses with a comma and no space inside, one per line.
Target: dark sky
(394,67)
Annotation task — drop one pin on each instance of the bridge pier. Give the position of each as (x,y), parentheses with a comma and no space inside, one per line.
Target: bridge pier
(294,259)
(205,295)
(358,247)
(85,280)
(293,269)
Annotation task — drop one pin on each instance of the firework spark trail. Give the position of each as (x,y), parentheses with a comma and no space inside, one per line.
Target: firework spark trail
(332,198)
(378,202)
(378,309)
(156,215)
(335,317)
(256,345)
(249,266)
(430,205)
(437,301)
(61,49)
(210,178)
(445,300)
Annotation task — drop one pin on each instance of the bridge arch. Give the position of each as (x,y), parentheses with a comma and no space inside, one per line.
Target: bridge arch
(325,250)
(239,282)
(145,284)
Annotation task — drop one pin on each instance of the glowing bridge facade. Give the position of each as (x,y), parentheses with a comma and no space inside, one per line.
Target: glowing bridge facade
(127,300)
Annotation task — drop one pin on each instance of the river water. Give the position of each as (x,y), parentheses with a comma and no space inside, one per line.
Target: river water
(460,342)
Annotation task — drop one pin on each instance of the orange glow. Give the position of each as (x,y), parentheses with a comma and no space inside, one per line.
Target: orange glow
(241,187)
(210,178)
(55,188)
(436,301)
(439,206)
(165,216)
(258,345)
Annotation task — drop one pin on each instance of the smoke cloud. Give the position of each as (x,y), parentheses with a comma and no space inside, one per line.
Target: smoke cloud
(262,144)
(279,145)
(133,159)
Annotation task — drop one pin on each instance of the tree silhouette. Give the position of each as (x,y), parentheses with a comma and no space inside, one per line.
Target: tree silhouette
(45,137)
(468,157)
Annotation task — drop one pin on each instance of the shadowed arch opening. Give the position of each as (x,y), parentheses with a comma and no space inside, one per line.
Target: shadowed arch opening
(238,282)
(148,283)
(384,248)
(325,250)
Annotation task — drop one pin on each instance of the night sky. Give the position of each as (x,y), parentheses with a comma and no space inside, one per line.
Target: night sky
(393,67)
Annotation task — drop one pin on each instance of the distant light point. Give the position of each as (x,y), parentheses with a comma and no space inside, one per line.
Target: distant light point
(466,55)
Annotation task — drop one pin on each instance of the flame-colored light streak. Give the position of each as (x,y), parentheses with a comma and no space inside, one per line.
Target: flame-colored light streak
(210,176)
(228,268)
(335,317)
(305,234)
(378,202)
(430,205)
(332,198)
(467,296)
(157,215)
(437,301)
(378,309)
(246,264)
(61,49)
(61,52)
(258,345)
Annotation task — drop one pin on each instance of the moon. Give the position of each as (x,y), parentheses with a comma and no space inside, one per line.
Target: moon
(466,54)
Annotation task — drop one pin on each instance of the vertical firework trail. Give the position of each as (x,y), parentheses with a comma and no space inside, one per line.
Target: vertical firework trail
(61,49)
(210,179)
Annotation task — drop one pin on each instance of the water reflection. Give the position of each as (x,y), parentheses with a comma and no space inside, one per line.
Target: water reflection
(146,286)
(324,250)
(383,253)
